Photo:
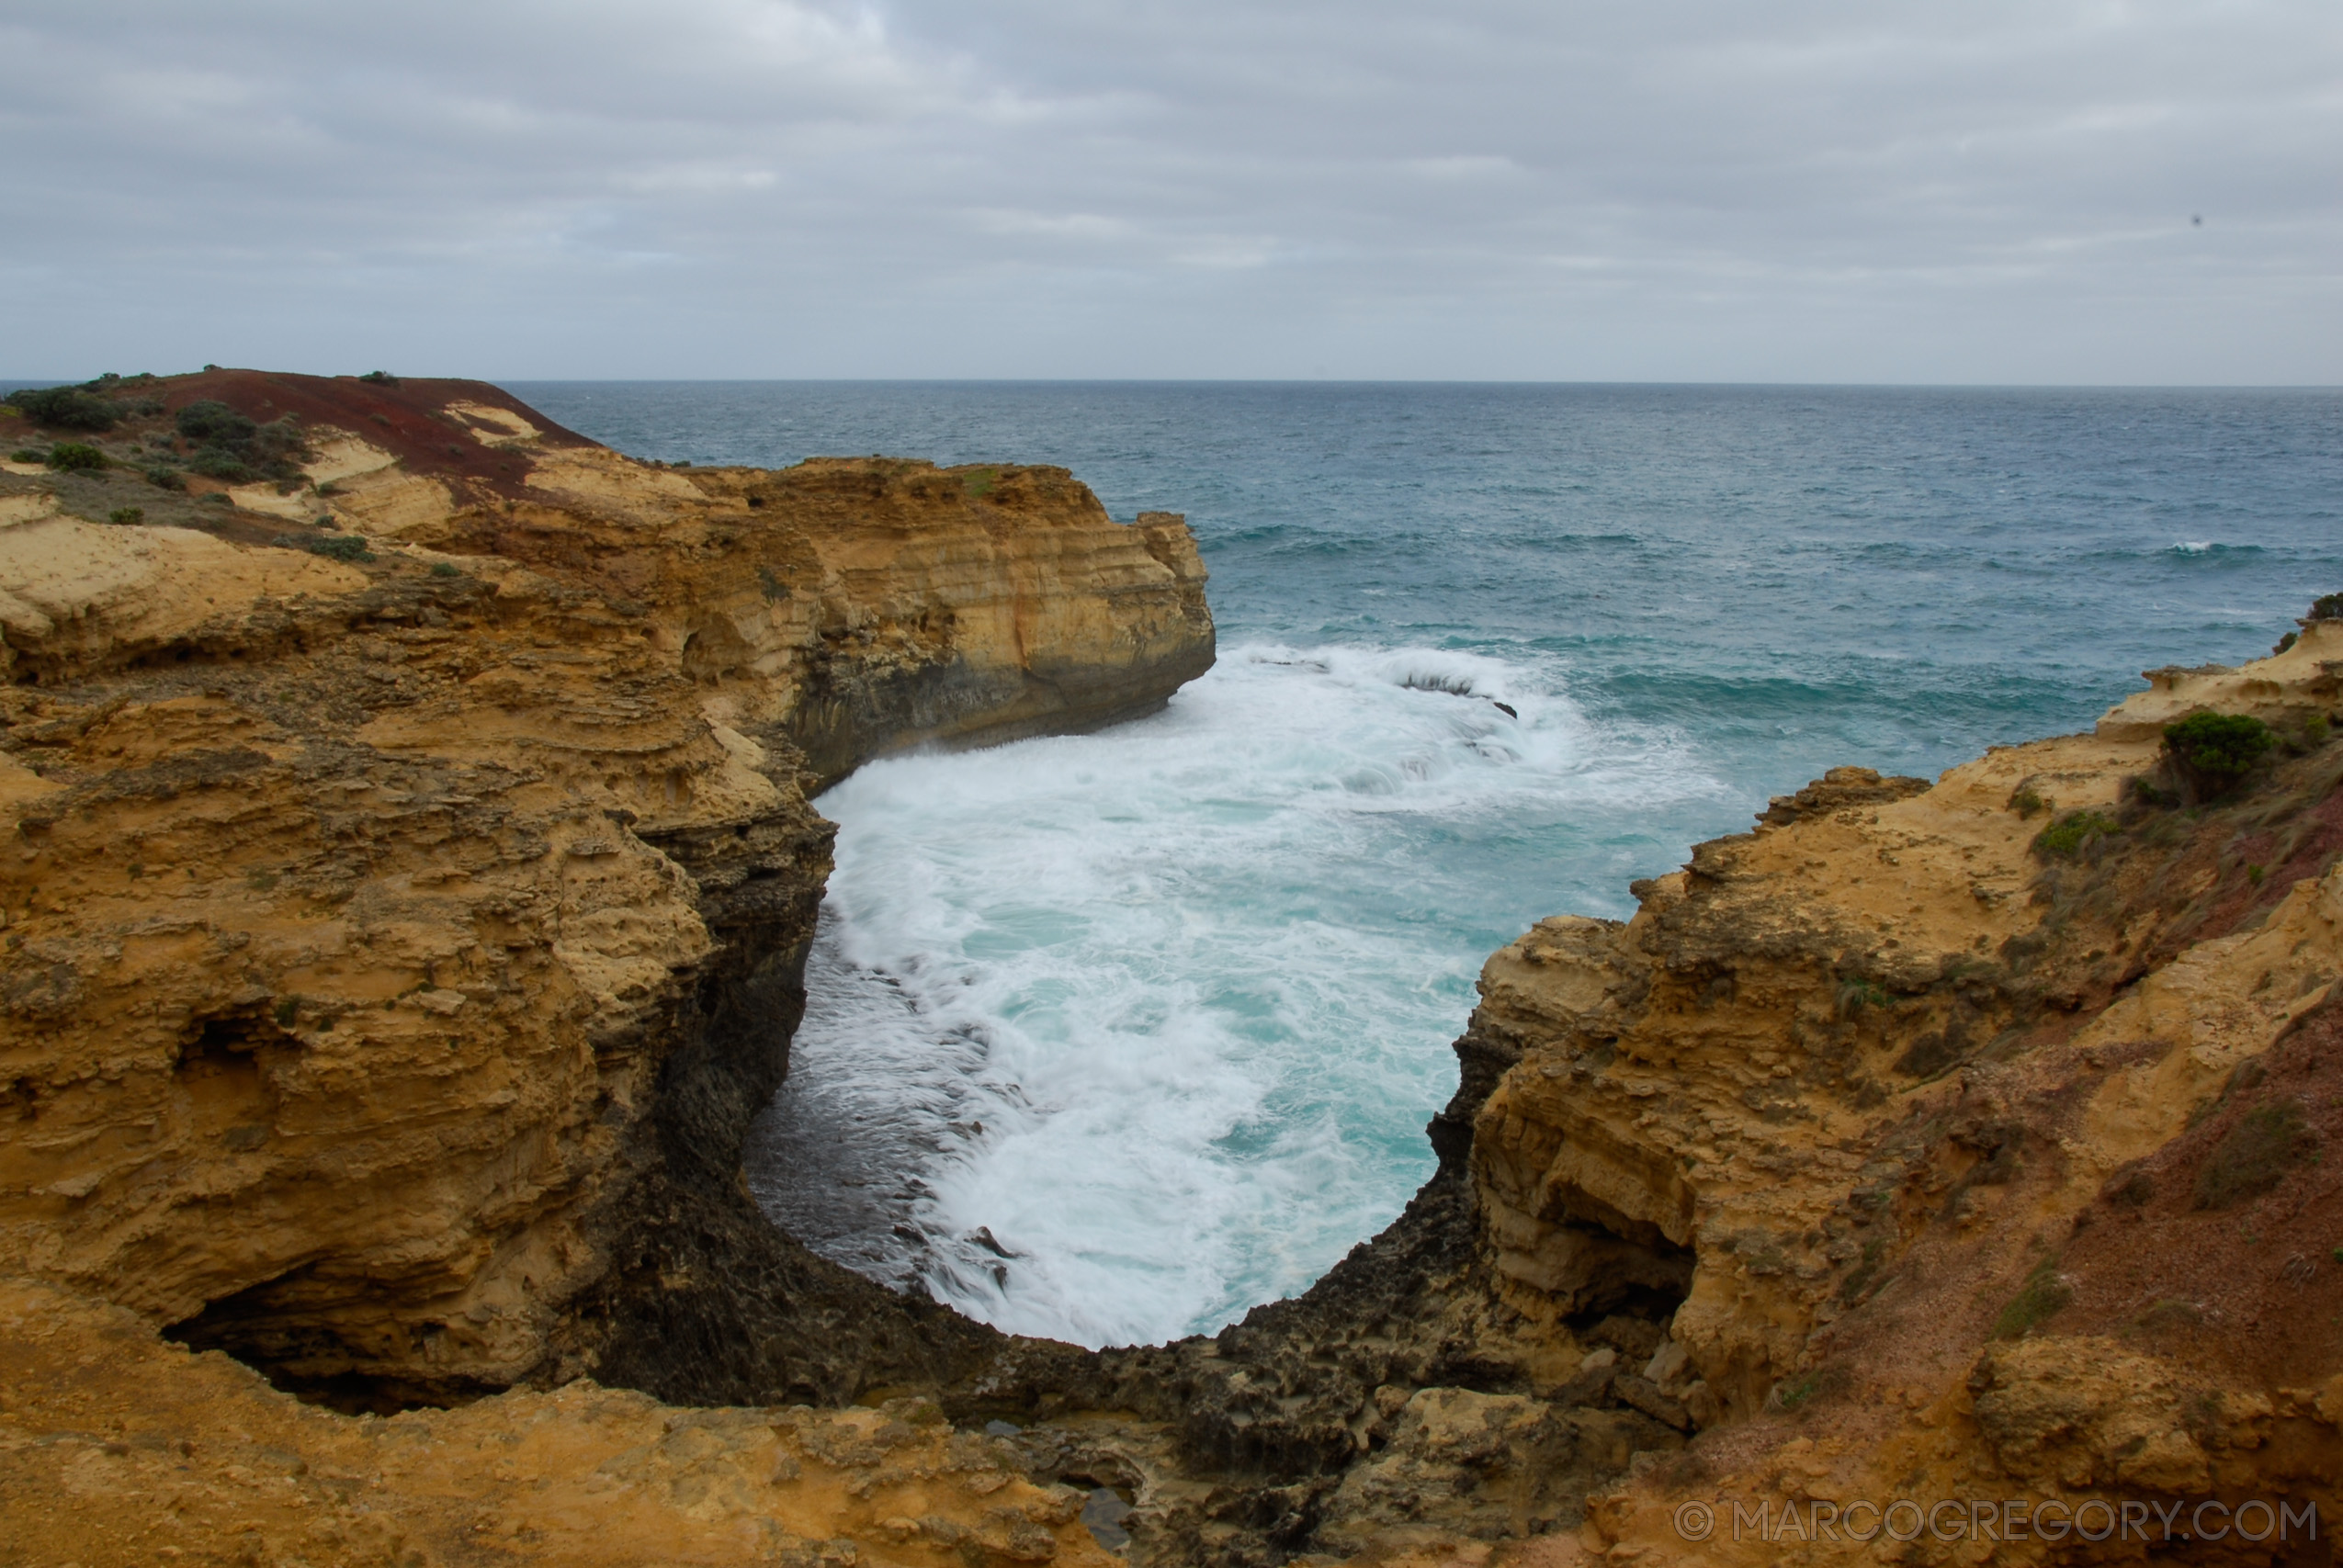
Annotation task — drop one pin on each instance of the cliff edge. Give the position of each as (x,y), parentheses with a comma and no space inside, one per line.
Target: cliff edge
(414,870)
(413,875)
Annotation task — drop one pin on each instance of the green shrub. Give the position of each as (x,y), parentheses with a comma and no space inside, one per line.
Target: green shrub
(72,457)
(2259,1150)
(2214,751)
(380,378)
(277,445)
(2328,607)
(2289,640)
(2026,801)
(126,515)
(333,547)
(2315,731)
(27,455)
(445,569)
(213,422)
(215,498)
(2066,837)
(66,408)
(219,463)
(237,449)
(162,477)
(2040,1298)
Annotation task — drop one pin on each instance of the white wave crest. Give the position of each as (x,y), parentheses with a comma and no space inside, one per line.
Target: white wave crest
(1111,1037)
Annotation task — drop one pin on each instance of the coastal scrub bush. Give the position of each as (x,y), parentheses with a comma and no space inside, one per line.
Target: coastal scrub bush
(239,449)
(2259,1150)
(219,463)
(162,477)
(2040,1298)
(380,378)
(445,569)
(213,422)
(2027,801)
(126,515)
(72,457)
(2213,751)
(2066,837)
(2326,607)
(333,547)
(27,455)
(66,408)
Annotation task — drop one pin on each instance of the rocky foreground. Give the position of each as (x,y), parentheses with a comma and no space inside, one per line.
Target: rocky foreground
(411,885)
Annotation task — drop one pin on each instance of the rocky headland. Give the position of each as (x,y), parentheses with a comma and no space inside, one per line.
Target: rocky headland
(412,879)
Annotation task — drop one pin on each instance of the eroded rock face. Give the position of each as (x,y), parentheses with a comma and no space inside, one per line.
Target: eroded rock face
(1906,1087)
(397,948)
(119,1449)
(399,943)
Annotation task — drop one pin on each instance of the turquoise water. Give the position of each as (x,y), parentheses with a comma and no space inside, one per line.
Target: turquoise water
(1154,1018)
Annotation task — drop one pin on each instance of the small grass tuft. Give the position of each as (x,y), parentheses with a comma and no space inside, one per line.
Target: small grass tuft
(333,546)
(2043,1297)
(2066,837)
(2134,1191)
(2259,1150)
(1857,995)
(2026,801)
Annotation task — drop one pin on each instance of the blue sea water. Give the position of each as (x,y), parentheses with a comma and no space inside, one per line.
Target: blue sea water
(1111,1037)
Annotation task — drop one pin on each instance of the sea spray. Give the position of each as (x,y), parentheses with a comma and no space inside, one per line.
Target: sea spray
(1111,1037)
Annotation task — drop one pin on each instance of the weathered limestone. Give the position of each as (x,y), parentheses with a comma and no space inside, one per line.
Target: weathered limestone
(378,930)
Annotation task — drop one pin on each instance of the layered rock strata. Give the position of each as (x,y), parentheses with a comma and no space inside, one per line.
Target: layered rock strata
(397,947)
(1938,1142)
(1933,1140)
(413,873)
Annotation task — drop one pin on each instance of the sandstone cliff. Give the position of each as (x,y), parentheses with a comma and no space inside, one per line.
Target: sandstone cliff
(413,869)
(1944,1143)
(405,917)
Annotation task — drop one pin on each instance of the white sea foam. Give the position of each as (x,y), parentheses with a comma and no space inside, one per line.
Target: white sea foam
(1111,1037)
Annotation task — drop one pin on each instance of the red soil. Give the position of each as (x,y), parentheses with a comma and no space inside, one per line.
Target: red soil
(402,418)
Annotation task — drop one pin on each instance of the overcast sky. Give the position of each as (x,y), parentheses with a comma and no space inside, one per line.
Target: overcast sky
(1771,190)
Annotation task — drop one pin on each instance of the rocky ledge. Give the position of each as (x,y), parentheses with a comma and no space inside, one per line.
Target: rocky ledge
(413,872)
(407,914)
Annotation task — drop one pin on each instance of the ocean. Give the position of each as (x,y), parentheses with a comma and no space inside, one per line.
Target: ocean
(1113,1037)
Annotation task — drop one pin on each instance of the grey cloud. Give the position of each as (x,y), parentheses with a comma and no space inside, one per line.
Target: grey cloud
(1689,189)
